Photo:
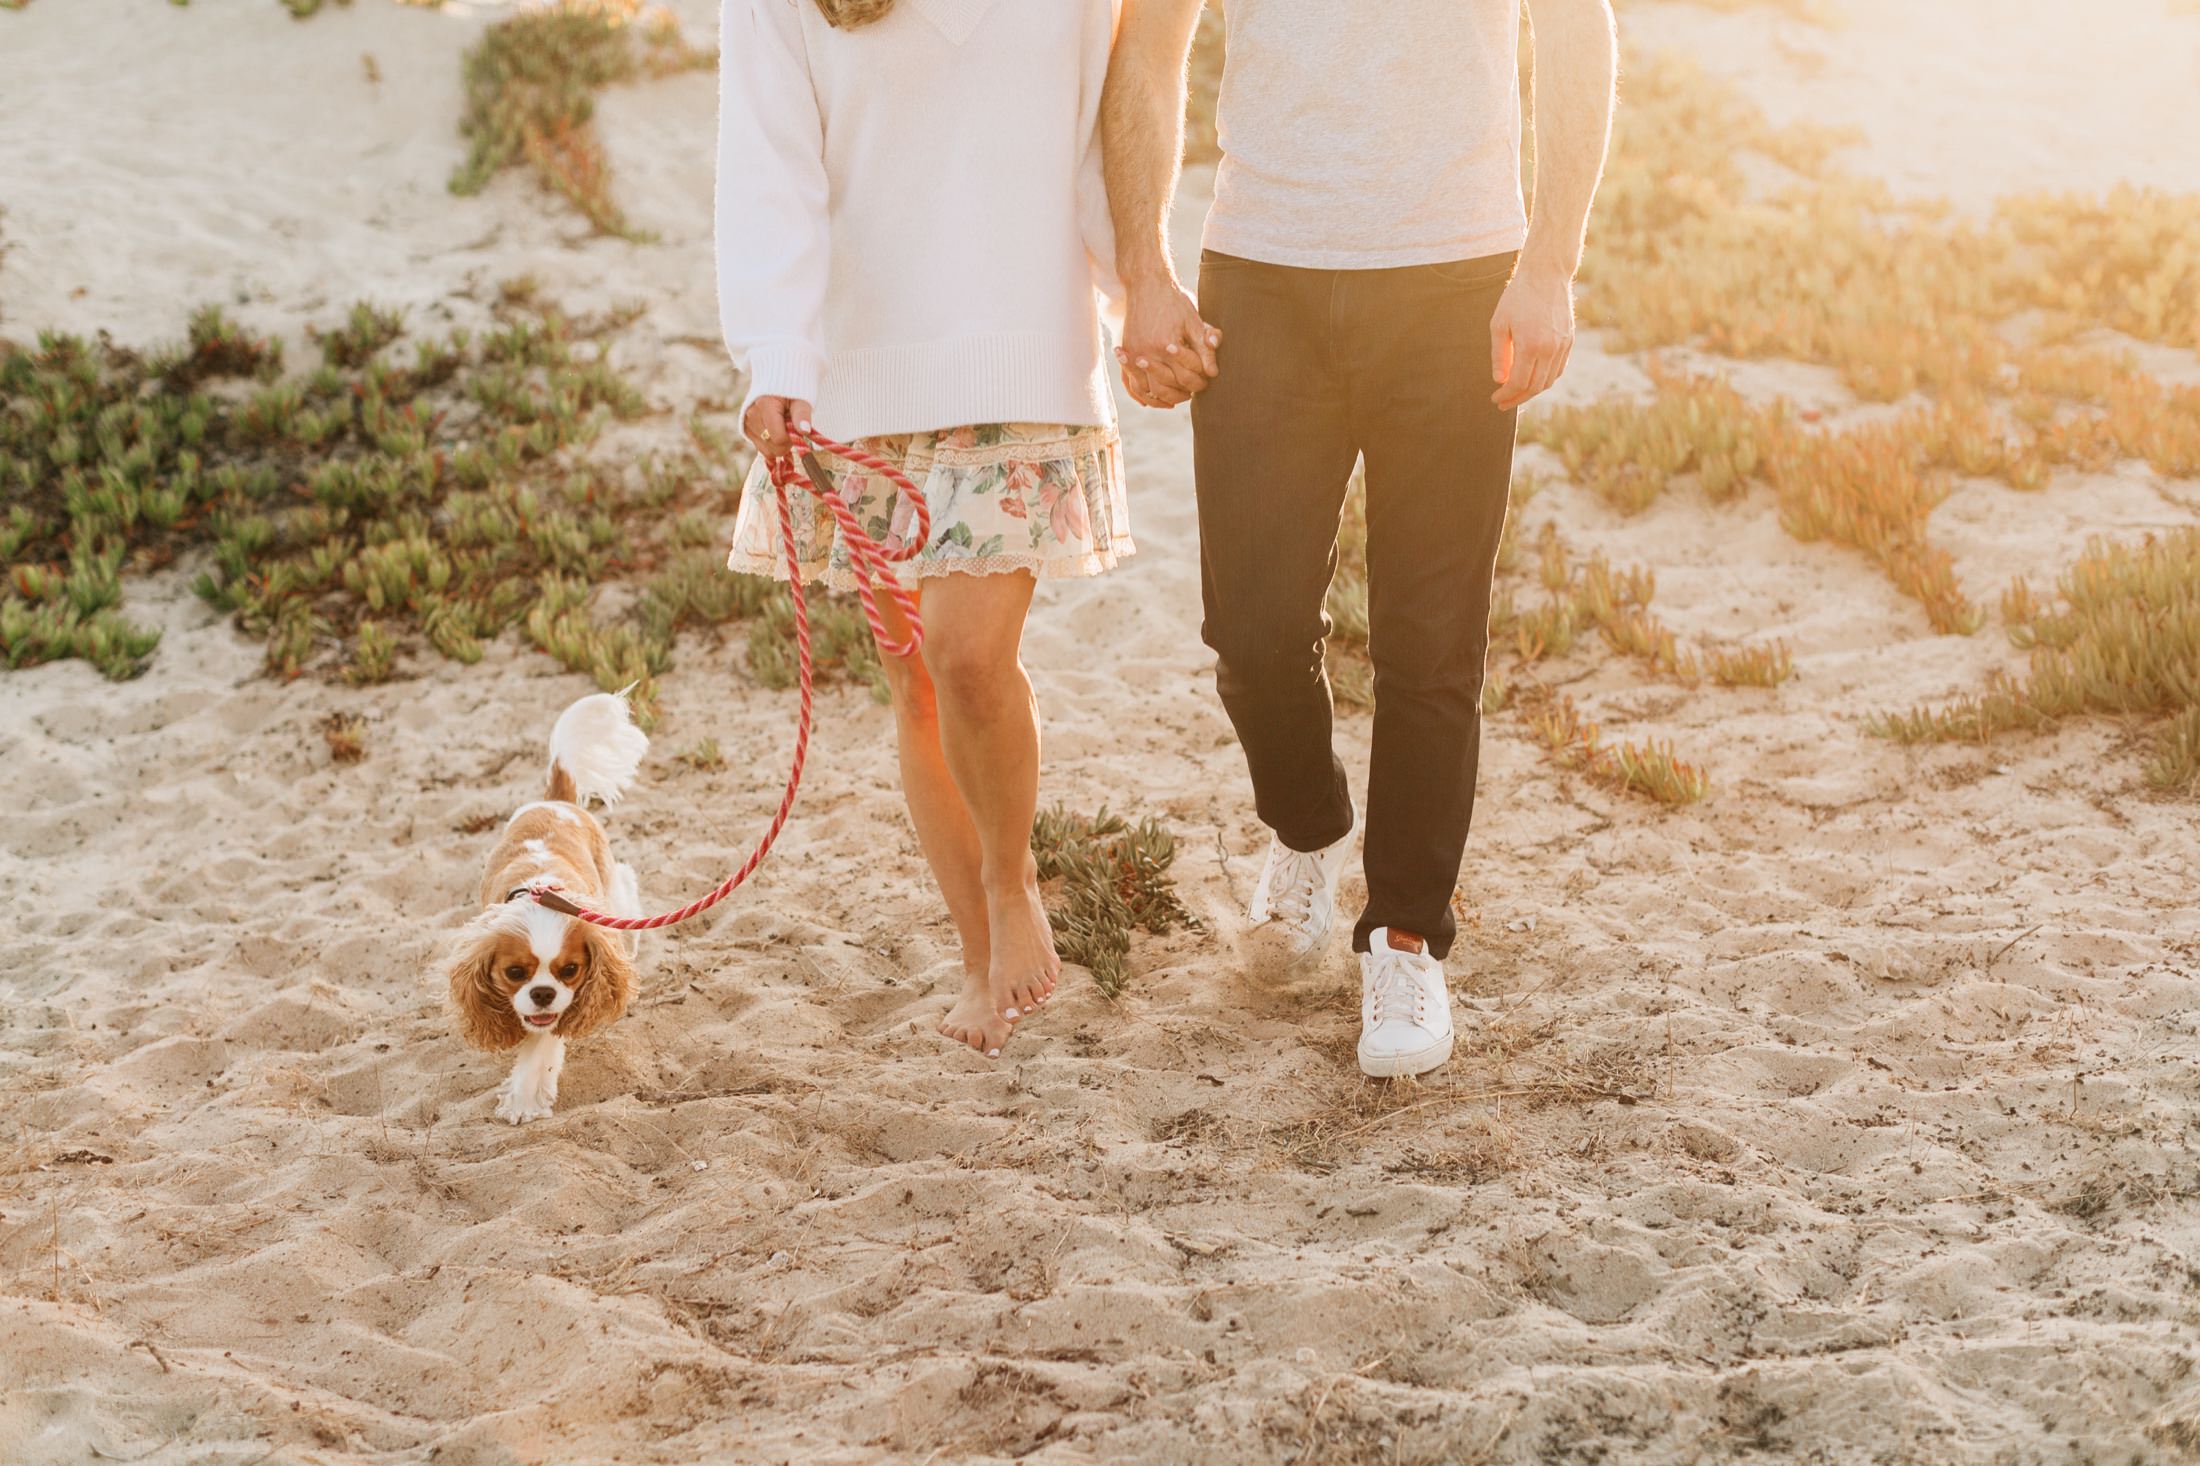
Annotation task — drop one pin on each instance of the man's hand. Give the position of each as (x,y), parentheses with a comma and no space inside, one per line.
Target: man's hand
(1531,335)
(1168,352)
(766,422)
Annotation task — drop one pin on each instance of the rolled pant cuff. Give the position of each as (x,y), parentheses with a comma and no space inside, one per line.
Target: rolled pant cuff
(1439,941)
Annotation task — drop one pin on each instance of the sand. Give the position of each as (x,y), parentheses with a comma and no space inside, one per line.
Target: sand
(1847,1116)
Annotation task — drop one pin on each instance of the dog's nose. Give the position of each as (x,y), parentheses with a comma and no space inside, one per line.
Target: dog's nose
(543,997)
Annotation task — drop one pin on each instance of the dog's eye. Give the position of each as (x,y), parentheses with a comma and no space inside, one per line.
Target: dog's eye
(569,969)
(515,974)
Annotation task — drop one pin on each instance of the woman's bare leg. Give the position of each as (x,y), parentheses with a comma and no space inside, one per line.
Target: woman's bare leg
(989,735)
(949,840)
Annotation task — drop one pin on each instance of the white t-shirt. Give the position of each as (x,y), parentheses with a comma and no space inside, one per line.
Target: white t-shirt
(1365,134)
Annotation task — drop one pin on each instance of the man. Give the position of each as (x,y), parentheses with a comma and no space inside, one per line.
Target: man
(1384,296)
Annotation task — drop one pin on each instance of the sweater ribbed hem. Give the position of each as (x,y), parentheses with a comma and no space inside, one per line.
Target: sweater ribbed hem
(784,369)
(936,385)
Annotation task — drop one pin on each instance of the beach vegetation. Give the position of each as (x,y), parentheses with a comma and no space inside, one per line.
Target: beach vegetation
(385,500)
(1110,879)
(2120,637)
(1650,768)
(702,755)
(345,735)
(1764,665)
(530,85)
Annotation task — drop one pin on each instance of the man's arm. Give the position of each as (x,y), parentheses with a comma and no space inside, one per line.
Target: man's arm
(1167,351)
(1576,58)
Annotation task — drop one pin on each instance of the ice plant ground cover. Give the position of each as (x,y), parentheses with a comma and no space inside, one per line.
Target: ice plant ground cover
(386,501)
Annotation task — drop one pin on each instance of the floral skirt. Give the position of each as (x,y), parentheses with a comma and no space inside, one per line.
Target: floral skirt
(1039,497)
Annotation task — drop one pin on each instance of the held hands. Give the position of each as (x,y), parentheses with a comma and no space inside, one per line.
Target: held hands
(1531,334)
(766,422)
(1168,352)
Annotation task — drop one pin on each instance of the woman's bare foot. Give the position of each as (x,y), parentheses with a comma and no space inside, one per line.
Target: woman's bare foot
(1020,975)
(976,1019)
(1023,968)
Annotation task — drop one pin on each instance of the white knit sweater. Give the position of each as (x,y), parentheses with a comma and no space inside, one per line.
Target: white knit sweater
(911,221)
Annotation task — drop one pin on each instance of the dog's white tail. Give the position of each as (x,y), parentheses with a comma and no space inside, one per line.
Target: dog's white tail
(595,750)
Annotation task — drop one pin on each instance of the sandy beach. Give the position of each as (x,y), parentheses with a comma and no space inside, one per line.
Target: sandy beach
(1847,1115)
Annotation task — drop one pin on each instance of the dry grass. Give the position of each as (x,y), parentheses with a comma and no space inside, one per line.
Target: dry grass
(2122,638)
(1867,488)
(1591,594)
(1750,666)
(1648,768)
(1697,430)
(1692,248)
(1828,267)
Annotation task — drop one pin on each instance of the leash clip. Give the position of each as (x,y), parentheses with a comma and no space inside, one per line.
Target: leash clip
(544,896)
(551,897)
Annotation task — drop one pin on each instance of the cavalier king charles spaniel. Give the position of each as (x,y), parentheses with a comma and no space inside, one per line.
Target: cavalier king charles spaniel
(526,977)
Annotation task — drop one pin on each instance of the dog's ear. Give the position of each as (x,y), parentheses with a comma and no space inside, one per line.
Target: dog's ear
(606,989)
(484,1012)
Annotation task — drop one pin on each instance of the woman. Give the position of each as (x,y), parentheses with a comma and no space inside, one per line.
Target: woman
(910,227)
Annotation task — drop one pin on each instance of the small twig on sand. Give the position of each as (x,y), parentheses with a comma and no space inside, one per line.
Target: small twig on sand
(2003,950)
(1222,858)
(1313,1416)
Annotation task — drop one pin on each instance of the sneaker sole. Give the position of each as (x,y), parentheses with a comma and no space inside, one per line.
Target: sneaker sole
(1419,1061)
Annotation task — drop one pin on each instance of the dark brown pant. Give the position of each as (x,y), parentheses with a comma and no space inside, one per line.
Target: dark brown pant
(1319,368)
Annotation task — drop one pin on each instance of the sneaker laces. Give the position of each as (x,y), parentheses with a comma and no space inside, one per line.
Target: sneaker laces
(1298,877)
(1394,990)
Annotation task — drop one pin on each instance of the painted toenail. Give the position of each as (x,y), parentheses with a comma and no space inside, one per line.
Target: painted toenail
(1011,1014)
(992,1053)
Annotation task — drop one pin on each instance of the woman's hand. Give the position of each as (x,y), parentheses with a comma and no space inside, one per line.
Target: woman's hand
(766,422)
(1168,352)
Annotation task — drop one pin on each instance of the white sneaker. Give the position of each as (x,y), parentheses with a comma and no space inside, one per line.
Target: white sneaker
(1405,1010)
(1297,896)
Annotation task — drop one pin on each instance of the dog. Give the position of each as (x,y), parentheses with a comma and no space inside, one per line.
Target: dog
(523,976)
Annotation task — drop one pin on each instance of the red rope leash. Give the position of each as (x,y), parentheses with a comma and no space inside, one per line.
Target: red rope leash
(871,564)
